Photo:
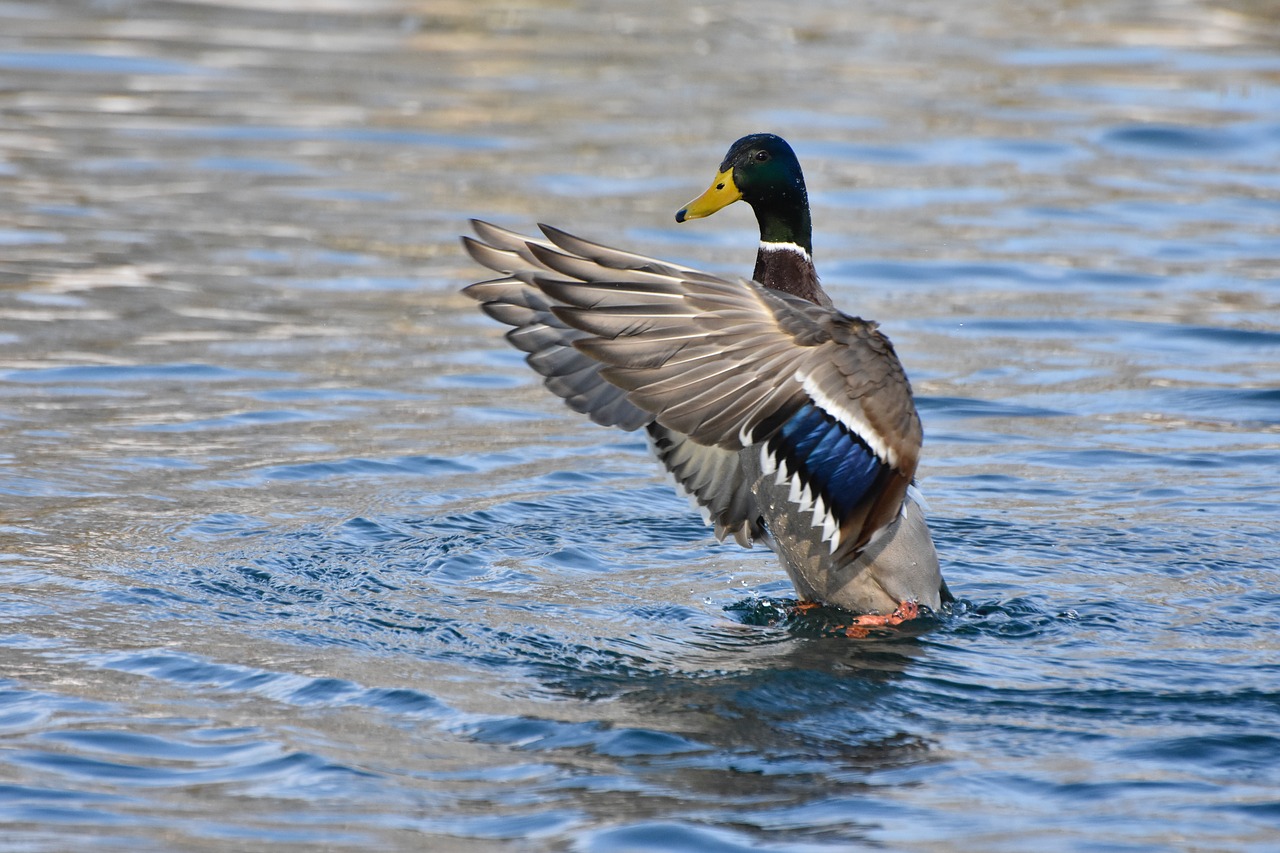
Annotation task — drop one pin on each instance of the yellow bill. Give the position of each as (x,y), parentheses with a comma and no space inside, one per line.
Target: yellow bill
(722,193)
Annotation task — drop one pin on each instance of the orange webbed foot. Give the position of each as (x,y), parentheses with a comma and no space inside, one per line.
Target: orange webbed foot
(905,612)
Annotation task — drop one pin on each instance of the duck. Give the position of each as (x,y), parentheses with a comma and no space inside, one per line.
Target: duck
(784,420)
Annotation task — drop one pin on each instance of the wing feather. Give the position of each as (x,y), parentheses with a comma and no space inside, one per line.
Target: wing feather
(710,365)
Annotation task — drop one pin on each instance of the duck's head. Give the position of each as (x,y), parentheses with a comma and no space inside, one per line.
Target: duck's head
(762,170)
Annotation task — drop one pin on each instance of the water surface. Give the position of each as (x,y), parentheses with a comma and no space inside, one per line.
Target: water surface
(297,554)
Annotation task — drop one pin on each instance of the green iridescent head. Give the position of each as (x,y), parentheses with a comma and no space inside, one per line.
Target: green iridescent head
(762,170)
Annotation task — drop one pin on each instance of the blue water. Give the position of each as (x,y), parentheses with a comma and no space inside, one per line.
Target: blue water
(296,554)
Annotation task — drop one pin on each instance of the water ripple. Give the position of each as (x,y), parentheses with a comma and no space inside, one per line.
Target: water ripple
(297,554)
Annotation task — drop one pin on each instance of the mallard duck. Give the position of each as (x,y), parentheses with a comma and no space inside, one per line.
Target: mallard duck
(784,420)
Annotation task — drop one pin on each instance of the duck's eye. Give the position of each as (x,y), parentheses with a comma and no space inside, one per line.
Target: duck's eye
(762,156)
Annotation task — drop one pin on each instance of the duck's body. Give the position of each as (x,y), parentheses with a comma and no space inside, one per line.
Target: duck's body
(784,419)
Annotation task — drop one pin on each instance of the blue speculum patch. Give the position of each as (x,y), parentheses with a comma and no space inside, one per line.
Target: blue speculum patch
(827,456)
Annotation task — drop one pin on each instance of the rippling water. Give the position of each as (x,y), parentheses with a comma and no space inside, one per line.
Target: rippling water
(296,554)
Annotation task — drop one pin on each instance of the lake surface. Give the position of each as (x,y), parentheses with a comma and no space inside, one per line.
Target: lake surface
(297,554)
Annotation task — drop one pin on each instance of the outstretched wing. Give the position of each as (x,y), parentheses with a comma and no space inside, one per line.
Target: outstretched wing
(726,362)
(711,477)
